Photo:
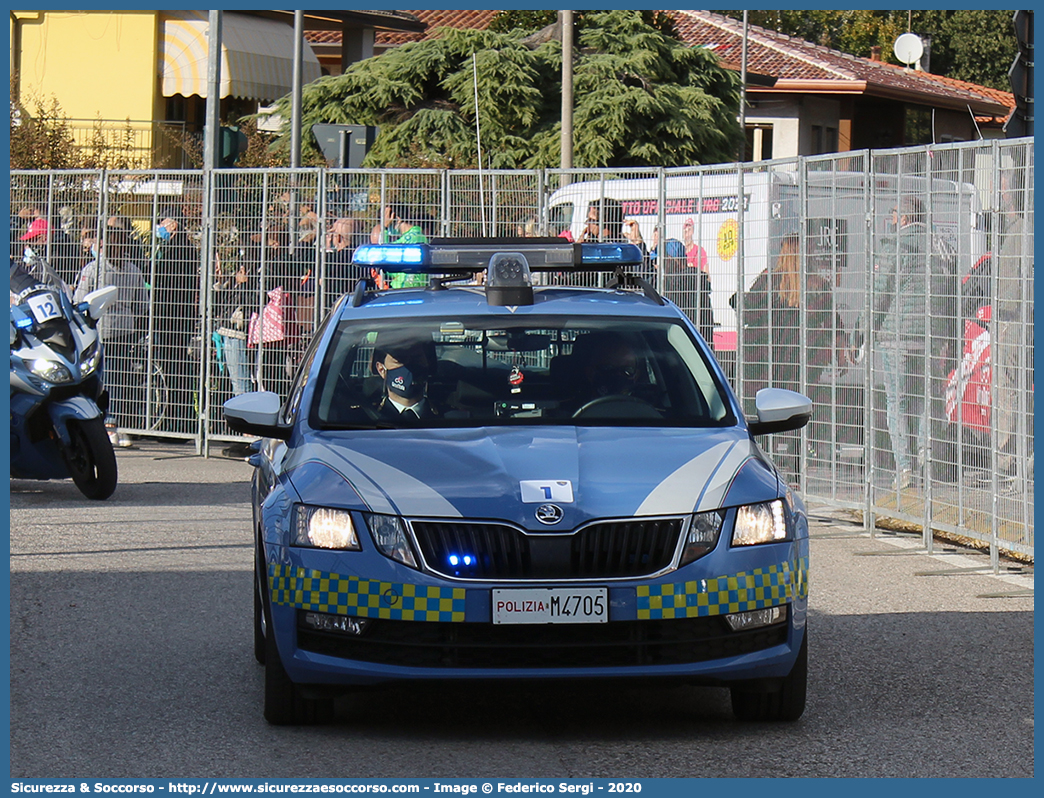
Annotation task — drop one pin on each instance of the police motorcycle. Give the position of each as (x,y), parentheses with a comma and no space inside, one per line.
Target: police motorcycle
(57,397)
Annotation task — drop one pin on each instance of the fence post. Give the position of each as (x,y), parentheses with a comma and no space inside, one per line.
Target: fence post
(996,219)
(868,350)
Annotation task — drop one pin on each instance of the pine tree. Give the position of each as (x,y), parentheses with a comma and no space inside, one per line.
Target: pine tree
(642,98)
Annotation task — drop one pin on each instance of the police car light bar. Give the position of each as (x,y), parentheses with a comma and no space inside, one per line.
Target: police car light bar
(449,255)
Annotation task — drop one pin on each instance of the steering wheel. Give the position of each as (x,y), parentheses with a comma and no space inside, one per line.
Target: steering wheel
(643,408)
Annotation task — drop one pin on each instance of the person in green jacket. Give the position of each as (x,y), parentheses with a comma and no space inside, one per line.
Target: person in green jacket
(900,282)
(403,228)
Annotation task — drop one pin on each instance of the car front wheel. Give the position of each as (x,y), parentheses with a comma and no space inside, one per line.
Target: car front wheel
(284,704)
(756,700)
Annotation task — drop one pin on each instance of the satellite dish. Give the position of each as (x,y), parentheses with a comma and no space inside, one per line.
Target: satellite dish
(908,48)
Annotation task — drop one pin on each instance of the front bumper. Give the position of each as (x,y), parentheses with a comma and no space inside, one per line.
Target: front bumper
(417,626)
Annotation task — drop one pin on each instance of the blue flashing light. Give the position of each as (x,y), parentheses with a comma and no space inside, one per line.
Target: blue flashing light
(606,254)
(466,560)
(23,322)
(400,256)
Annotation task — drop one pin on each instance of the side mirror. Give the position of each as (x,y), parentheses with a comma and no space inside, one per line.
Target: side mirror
(98,301)
(780,410)
(256,413)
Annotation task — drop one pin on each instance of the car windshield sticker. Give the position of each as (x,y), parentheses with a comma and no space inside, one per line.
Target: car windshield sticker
(539,491)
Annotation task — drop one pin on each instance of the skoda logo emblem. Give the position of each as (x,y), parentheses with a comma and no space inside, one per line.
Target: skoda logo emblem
(549,514)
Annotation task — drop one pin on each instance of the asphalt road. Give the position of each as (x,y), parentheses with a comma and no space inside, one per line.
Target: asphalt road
(131,657)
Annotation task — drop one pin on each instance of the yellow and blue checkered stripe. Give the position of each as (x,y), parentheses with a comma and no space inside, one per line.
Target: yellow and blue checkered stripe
(320,591)
(742,592)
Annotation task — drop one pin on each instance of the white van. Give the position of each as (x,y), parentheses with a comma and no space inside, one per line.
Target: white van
(841,212)
(711,201)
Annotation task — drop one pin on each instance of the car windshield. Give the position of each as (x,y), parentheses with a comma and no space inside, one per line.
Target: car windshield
(488,372)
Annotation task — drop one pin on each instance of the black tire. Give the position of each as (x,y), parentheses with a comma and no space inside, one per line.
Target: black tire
(754,701)
(260,587)
(284,704)
(90,458)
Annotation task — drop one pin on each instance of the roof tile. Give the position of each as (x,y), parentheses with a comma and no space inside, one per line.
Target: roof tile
(791,59)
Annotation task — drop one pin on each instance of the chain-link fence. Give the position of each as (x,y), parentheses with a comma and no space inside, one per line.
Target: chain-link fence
(895,288)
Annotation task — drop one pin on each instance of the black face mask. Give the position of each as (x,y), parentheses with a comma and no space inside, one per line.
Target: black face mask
(612,380)
(403,382)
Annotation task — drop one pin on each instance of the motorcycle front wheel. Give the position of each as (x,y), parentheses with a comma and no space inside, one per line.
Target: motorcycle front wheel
(90,458)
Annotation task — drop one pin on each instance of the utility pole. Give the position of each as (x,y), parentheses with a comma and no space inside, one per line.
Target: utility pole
(295,114)
(212,126)
(743,93)
(566,19)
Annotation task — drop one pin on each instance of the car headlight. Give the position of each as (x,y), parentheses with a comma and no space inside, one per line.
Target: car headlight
(50,370)
(324,528)
(702,536)
(760,523)
(90,359)
(389,533)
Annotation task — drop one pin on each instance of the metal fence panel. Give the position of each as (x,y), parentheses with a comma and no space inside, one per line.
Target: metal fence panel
(895,288)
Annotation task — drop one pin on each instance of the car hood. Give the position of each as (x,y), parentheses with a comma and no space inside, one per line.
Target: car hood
(507,474)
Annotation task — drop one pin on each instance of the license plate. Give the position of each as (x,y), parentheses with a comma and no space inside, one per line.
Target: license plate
(551,605)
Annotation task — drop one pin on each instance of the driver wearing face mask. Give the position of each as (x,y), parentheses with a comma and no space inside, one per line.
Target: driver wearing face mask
(405,362)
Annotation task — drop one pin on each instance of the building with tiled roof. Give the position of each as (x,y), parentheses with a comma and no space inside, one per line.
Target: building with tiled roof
(990,124)
(326,44)
(824,100)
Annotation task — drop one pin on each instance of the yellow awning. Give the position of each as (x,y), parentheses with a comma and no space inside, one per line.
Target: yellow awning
(257,56)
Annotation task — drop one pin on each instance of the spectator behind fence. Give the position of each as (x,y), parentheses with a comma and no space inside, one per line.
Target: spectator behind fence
(341,275)
(404,228)
(772,348)
(236,295)
(280,279)
(528,228)
(176,314)
(35,227)
(1012,329)
(898,327)
(121,327)
(65,249)
(695,255)
(632,234)
(690,289)
(604,221)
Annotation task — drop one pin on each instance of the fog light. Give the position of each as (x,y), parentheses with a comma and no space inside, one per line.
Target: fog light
(742,621)
(343,624)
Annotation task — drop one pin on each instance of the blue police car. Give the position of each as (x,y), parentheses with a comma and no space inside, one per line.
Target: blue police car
(496,476)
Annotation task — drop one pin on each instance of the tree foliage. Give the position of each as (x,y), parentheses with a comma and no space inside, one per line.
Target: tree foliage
(976,46)
(642,98)
(528,21)
(40,135)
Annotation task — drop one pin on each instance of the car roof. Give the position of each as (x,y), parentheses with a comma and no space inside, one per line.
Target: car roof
(471,301)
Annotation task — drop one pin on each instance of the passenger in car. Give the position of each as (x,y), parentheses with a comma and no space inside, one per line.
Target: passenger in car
(602,363)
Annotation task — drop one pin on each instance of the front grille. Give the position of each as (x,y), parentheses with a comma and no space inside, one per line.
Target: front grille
(485,645)
(612,549)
